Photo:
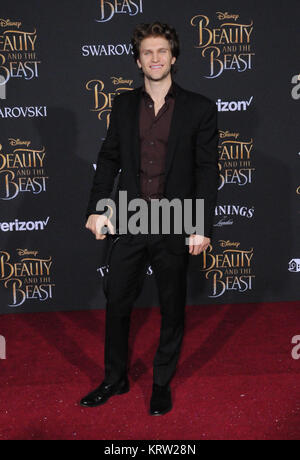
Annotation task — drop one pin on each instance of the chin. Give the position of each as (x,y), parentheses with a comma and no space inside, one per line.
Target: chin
(158,77)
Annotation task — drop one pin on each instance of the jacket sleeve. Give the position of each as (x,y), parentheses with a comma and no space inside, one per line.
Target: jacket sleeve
(108,164)
(207,171)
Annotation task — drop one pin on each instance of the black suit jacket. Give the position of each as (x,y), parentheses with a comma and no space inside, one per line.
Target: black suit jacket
(191,169)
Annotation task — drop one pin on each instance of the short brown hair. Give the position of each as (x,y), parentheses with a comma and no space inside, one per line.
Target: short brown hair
(156,29)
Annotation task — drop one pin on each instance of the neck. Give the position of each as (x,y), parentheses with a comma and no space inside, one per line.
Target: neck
(158,89)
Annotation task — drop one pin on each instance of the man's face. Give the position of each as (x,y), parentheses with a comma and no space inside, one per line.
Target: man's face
(155,58)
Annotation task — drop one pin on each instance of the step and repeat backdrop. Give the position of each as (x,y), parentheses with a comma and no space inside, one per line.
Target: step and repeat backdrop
(61,65)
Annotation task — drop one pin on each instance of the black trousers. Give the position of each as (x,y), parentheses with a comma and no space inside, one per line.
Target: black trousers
(127,269)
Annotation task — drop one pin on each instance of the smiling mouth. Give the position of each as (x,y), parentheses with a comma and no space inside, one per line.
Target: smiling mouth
(156,67)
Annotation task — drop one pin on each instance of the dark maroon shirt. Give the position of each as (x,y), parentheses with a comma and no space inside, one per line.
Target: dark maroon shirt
(154,134)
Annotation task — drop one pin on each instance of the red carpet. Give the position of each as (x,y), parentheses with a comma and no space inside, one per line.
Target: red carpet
(236,378)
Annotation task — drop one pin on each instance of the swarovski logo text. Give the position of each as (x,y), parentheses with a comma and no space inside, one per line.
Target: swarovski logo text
(25,112)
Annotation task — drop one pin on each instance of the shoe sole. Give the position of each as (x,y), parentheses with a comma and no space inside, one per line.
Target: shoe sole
(120,392)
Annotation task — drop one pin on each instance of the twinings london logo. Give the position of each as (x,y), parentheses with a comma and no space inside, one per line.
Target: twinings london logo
(28,278)
(235,159)
(228,268)
(21,169)
(227,213)
(103,96)
(225,44)
(108,8)
(18,57)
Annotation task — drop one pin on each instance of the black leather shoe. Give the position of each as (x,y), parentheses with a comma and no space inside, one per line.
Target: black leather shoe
(161,400)
(105,391)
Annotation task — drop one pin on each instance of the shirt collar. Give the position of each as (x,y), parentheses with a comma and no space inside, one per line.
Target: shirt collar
(170,93)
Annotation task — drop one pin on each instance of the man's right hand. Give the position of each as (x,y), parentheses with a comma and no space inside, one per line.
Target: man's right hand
(96,222)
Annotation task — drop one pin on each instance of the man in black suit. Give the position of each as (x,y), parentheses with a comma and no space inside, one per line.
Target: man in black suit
(164,140)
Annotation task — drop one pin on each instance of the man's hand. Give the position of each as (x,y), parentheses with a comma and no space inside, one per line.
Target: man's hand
(198,244)
(96,222)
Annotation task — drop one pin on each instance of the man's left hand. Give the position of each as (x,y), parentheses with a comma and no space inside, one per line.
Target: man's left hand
(198,244)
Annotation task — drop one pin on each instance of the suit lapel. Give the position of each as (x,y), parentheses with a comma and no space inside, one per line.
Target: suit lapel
(178,118)
(136,134)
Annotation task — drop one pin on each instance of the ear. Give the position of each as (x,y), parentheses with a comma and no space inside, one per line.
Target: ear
(173,60)
(139,64)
